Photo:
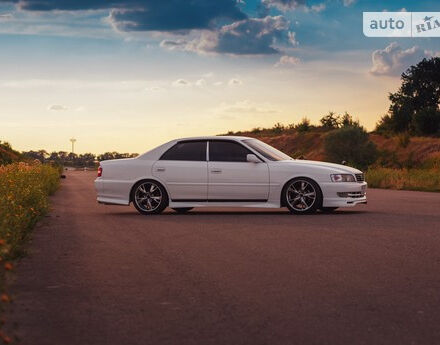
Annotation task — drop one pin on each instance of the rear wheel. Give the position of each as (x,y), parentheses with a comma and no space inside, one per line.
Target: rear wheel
(149,197)
(302,196)
(182,209)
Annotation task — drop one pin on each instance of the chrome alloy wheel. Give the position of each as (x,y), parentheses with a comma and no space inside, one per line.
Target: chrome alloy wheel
(301,195)
(148,196)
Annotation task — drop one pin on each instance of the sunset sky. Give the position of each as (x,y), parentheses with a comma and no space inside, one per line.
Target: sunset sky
(127,75)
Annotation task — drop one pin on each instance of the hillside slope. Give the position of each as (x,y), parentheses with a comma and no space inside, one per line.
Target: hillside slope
(7,154)
(393,151)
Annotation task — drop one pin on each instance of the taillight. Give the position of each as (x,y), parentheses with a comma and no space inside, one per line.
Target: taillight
(99,172)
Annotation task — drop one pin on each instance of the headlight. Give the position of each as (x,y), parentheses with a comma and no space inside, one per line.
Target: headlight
(343,178)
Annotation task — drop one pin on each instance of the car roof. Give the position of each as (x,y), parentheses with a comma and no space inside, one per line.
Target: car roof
(159,150)
(215,137)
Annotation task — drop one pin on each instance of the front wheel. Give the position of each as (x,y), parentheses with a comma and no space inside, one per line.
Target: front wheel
(302,196)
(149,197)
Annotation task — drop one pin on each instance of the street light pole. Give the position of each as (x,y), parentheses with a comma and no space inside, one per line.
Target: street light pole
(73,140)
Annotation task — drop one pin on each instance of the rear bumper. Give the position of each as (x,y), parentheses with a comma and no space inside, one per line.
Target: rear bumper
(99,186)
(109,196)
(344,194)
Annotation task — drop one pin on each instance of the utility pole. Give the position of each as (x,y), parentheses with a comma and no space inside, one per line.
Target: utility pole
(73,140)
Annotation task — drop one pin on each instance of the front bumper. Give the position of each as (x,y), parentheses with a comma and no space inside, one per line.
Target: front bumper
(344,194)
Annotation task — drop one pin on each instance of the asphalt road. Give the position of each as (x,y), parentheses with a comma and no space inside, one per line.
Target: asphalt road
(106,275)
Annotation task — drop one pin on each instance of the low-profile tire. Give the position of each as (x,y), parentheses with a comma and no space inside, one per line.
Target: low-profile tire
(302,195)
(328,209)
(182,209)
(149,197)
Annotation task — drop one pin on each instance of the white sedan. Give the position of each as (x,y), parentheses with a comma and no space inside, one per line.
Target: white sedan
(226,171)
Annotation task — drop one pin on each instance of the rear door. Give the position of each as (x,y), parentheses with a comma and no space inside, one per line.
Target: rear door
(184,170)
(231,177)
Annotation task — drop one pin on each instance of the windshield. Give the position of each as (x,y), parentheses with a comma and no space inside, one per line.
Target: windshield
(266,150)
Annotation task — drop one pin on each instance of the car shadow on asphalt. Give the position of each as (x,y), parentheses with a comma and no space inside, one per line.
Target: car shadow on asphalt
(237,213)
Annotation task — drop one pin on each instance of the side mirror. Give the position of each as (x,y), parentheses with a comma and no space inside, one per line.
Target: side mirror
(252,158)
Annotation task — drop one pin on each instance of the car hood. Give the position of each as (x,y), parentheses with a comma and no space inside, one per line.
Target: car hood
(339,168)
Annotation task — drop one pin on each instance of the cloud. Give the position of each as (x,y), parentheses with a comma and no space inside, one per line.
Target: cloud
(6,16)
(393,60)
(172,15)
(244,107)
(287,61)
(154,89)
(57,107)
(251,36)
(290,5)
(348,3)
(147,15)
(235,82)
(179,44)
(284,5)
(208,75)
(292,38)
(317,8)
(200,83)
(181,83)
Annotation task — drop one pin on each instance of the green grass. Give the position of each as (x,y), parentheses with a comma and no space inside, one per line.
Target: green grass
(409,179)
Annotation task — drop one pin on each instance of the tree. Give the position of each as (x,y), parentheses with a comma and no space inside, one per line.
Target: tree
(350,144)
(417,100)
(303,126)
(427,121)
(330,121)
(41,155)
(347,120)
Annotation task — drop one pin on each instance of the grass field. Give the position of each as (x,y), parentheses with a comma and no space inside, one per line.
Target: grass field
(410,179)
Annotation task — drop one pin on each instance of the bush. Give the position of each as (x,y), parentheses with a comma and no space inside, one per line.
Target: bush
(278,128)
(24,191)
(303,126)
(350,144)
(404,139)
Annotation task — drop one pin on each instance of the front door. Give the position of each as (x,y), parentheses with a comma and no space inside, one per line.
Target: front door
(183,168)
(231,177)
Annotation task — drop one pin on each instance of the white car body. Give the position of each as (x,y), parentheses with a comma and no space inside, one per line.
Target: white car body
(236,184)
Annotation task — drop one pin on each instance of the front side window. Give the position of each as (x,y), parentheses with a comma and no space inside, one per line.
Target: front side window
(227,151)
(186,151)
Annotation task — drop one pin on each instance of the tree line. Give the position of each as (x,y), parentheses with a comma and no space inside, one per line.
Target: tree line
(72,159)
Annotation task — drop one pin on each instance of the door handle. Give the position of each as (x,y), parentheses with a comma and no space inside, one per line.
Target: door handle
(160,169)
(216,171)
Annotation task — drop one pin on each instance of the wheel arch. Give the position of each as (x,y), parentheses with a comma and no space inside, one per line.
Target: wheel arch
(146,179)
(283,202)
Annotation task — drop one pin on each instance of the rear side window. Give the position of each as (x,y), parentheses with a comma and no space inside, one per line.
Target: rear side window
(227,151)
(186,151)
